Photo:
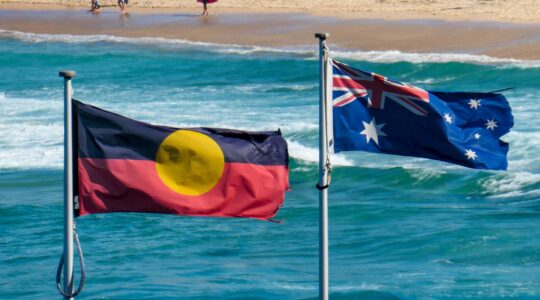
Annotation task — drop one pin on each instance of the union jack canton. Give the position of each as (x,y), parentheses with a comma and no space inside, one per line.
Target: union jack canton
(373,113)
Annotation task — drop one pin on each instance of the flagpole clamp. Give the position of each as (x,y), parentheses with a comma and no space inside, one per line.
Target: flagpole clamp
(321,187)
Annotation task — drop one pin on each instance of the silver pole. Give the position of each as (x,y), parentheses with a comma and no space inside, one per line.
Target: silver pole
(68,184)
(323,170)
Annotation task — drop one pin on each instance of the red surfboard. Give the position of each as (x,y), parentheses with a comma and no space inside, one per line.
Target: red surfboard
(207,1)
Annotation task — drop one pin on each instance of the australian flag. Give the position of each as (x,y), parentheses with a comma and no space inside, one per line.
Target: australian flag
(373,113)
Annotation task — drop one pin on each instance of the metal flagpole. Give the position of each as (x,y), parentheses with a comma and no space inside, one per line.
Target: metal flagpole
(68,184)
(324,168)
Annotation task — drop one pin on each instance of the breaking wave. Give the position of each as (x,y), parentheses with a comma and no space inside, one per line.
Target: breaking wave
(306,52)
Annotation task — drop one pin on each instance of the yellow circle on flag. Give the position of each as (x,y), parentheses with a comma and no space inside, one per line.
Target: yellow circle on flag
(189,162)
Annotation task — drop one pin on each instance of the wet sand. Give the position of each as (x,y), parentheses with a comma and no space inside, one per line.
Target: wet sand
(277,28)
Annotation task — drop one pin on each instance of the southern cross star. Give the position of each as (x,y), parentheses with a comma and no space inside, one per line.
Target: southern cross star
(477,136)
(470,154)
(372,131)
(491,124)
(474,103)
(447,118)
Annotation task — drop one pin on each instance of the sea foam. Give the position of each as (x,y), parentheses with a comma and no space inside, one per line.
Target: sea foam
(311,155)
(391,56)
(511,185)
(306,52)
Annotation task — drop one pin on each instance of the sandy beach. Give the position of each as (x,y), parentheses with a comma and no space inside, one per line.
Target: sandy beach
(505,29)
(471,10)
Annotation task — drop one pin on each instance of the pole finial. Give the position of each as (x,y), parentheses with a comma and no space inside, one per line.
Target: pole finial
(322,35)
(67,74)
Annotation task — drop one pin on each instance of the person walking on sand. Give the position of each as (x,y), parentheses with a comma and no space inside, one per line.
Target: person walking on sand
(205,6)
(95,6)
(122,4)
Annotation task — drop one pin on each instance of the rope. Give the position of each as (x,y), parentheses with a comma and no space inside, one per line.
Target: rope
(502,90)
(83,270)
(327,168)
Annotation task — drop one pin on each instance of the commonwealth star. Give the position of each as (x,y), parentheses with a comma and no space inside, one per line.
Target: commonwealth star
(372,131)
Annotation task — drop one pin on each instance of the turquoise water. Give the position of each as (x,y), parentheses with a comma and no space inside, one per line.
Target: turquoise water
(400,228)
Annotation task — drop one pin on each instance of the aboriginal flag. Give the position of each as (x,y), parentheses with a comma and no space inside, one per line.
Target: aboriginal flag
(126,165)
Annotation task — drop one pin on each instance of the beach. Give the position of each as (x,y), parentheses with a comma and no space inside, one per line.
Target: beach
(464,10)
(486,28)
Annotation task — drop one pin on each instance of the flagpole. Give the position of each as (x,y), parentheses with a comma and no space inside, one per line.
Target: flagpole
(68,184)
(323,169)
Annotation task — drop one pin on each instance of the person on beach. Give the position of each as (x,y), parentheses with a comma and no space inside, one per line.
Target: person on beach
(95,6)
(205,6)
(122,4)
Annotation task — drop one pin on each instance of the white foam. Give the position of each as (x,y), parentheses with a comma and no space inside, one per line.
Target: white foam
(442,261)
(298,126)
(32,157)
(361,287)
(27,145)
(76,39)
(299,151)
(391,56)
(308,52)
(424,174)
(31,133)
(419,168)
(247,50)
(157,41)
(340,288)
(433,80)
(524,149)
(512,185)
(295,287)
(267,87)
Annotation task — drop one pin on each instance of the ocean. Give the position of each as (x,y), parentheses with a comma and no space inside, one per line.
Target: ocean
(400,227)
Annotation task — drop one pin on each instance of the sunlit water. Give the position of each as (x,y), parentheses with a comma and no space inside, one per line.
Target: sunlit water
(400,227)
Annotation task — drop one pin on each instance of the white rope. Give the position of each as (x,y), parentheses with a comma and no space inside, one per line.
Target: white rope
(83,270)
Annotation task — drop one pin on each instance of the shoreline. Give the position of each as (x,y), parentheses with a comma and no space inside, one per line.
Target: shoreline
(277,28)
(516,11)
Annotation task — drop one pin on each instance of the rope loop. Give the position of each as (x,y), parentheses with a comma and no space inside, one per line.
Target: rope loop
(329,167)
(83,270)
(326,168)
